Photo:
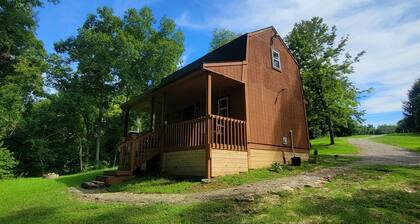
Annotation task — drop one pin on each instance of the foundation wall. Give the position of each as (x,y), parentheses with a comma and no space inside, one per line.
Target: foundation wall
(191,163)
(225,162)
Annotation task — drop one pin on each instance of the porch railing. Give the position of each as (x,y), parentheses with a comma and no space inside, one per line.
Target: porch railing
(217,131)
(186,134)
(227,133)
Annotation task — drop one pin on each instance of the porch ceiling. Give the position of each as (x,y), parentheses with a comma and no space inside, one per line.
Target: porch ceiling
(186,89)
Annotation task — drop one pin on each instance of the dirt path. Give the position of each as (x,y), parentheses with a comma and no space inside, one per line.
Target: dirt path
(377,153)
(371,153)
(240,193)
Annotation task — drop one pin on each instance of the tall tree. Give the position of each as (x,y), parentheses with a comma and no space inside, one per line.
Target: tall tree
(222,37)
(117,56)
(324,69)
(22,61)
(146,55)
(411,109)
(93,49)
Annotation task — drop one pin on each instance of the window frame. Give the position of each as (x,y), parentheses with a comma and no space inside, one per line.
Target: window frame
(219,108)
(273,59)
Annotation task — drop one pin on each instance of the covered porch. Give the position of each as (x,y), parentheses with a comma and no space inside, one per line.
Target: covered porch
(203,111)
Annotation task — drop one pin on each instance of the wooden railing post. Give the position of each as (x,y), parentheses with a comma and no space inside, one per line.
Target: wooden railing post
(208,111)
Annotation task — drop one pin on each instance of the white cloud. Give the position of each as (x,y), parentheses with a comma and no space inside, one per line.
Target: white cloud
(388,31)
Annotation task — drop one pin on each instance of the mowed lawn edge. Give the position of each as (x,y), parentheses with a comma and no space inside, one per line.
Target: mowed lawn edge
(409,141)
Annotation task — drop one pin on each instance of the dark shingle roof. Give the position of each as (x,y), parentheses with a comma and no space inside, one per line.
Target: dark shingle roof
(233,51)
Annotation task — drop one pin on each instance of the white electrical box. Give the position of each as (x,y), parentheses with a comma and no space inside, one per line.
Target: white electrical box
(284,140)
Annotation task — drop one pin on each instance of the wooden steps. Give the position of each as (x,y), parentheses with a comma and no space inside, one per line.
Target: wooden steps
(113,179)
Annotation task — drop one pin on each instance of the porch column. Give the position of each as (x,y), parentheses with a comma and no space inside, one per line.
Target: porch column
(162,116)
(208,94)
(126,119)
(151,113)
(209,131)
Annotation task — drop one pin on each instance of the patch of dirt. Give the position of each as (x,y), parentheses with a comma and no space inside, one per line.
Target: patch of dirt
(243,193)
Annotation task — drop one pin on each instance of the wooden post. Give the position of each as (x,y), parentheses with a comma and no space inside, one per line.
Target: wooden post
(209,131)
(162,133)
(126,120)
(151,113)
(162,116)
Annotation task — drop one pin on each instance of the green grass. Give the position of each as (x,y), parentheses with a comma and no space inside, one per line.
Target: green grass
(341,145)
(149,183)
(410,141)
(375,194)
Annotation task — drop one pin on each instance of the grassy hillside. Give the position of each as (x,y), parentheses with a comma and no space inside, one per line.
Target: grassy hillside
(410,141)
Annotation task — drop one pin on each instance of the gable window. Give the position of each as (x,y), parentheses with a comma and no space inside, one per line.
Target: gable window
(275,59)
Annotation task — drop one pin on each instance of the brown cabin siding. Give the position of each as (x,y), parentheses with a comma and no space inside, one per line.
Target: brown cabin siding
(232,70)
(269,118)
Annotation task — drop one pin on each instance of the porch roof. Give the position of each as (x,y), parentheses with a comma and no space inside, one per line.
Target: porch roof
(234,51)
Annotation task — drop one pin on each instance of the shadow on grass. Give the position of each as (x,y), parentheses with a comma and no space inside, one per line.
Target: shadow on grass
(365,206)
(75,180)
(149,182)
(212,212)
(36,214)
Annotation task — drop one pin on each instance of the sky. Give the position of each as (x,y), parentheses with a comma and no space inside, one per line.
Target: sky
(389,32)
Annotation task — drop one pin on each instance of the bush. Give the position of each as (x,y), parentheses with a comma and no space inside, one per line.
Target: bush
(277,167)
(7,163)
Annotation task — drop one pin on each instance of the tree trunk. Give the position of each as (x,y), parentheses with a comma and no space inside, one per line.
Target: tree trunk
(80,154)
(98,135)
(330,130)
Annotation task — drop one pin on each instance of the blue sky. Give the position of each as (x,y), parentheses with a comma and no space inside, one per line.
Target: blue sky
(389,31)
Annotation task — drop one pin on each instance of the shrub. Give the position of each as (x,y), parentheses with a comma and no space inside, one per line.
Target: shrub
(276,167)
(7,163)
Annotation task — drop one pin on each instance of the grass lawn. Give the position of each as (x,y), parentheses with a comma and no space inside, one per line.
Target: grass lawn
(341,145)
(149,183)
(410,141)
(375,194)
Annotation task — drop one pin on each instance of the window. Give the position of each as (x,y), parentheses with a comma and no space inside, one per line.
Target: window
(275,59)
(223,107)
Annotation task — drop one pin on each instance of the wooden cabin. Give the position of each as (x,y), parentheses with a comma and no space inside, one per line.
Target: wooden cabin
(237,108)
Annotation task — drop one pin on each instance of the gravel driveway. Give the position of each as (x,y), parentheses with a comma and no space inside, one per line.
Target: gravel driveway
(377,153)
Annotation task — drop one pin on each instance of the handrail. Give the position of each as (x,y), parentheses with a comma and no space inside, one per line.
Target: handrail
(215,131)
(227,133)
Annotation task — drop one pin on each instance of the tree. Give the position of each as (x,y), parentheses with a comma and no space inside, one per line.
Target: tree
(146,55)
(385,129)
(117,57)
(7,163)
(411,109)
(222,37)
(324,69)
(22,61)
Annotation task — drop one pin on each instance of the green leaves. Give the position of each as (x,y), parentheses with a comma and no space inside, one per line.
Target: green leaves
(222,37)
(22,61)
(325,67)
(411,110)
(7,163)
